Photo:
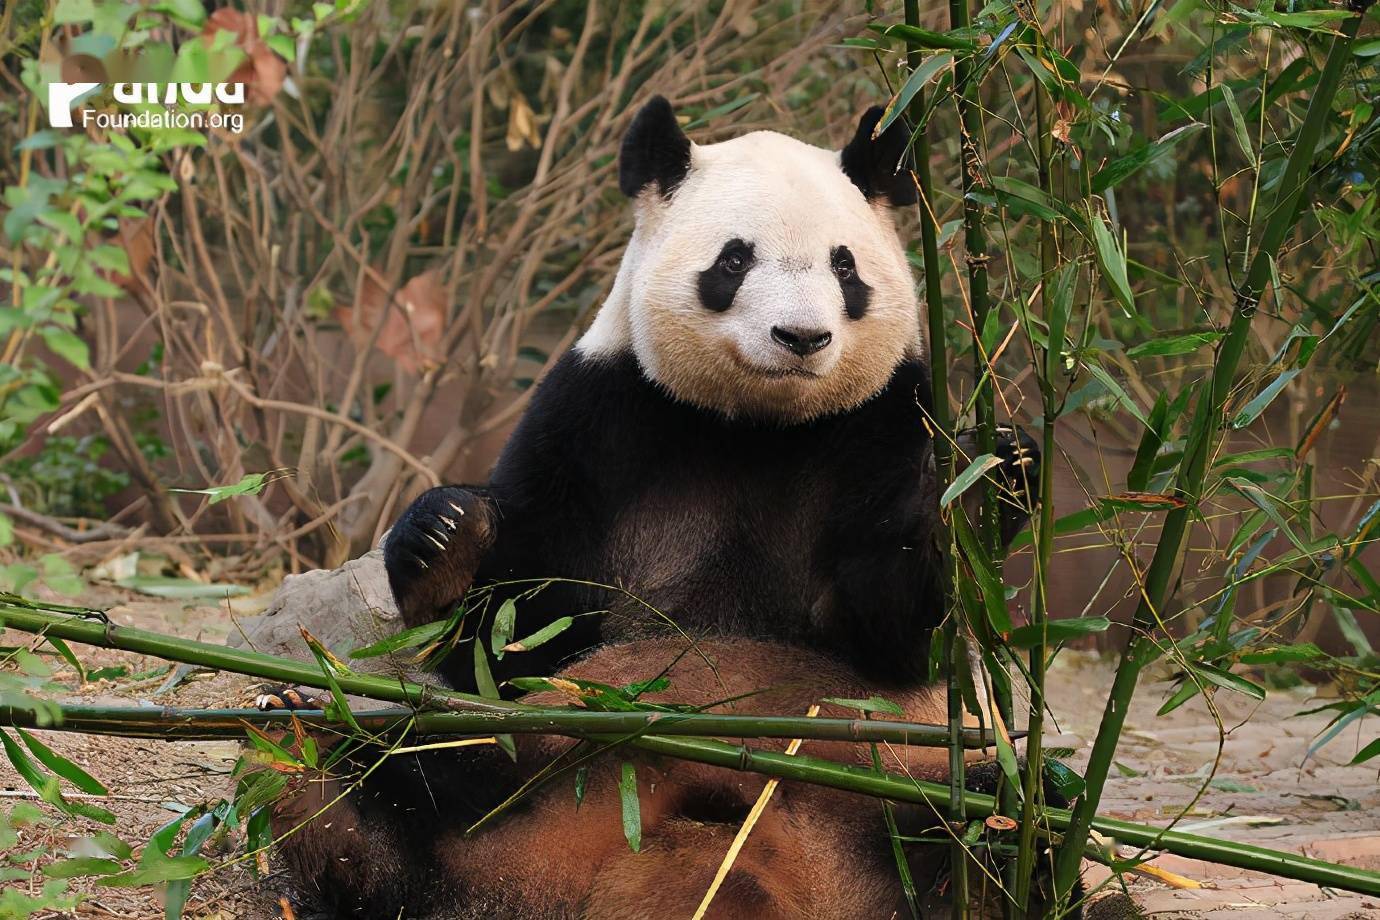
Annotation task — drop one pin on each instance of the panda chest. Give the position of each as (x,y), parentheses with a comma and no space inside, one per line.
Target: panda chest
(722,547)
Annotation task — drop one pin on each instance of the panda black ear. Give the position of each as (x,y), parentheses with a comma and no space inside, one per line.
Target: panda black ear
(873,164)
(655,149)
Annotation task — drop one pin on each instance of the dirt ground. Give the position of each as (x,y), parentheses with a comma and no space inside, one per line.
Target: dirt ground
(1273,796)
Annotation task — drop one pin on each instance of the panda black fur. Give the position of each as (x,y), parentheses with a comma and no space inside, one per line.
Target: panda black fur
(738,444)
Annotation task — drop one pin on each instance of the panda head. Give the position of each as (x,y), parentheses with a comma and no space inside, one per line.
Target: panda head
(765,278)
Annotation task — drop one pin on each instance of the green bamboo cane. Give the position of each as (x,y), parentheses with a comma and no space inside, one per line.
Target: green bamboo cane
(182,724)
(866,781)
(969,104)
(1198,447)
(1032,782)
(943,452)
(862,780)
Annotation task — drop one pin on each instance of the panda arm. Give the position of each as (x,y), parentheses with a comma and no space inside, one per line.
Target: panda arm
(888,593)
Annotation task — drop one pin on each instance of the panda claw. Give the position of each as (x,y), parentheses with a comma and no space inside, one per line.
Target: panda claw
(458,510)
(285,698)
(439,544)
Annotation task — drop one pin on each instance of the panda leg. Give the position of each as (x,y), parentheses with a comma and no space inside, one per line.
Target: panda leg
(434,550)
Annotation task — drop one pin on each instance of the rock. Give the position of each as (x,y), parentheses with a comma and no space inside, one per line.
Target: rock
(345,609)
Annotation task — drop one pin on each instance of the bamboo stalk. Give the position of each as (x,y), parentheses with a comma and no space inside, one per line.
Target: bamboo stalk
(176,724)
(905,789)
(849,778)
(943,453)
(988,525)
(1032,781)
(1207,418)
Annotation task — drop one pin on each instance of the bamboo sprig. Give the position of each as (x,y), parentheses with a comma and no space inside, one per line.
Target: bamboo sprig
(1198,447)
(849,778)
(943,453)
(182,724)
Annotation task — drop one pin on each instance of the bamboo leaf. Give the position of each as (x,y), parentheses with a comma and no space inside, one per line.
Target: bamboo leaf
(1054,631)
(1120,395)
(505,621)
(1255,407)
(1309,21)
(484,682)
(250,484)
(1229,681)
(542,636)
(924,38)
(62,766)
(1112,261)
(917,80)
(408,638)
(964,480)
(1367,752)
(1143,501)
(1238,124)
(1279,654)
(871,704)
(1267,504)
(46,785)
(1059,306)
(1068,782)
(1320,422)
(1143,466)
(1122,168)
(632,808)
(993,597)
(1173,345)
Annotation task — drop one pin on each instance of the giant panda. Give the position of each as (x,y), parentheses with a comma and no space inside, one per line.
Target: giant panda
(728,479)
(738,445)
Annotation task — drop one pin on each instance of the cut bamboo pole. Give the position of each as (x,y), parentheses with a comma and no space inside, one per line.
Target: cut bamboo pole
(175,724)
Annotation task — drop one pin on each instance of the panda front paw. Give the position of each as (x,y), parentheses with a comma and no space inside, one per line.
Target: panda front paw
(1017,476)
(434,550)
(274,698)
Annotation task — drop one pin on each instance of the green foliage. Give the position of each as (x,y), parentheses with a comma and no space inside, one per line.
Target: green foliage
(1098,240)
(65,477)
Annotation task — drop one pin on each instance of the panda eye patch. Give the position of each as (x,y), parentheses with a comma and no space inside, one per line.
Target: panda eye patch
(719,283)
(855,290)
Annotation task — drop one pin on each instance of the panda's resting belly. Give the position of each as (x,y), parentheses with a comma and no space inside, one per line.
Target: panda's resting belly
(397,845)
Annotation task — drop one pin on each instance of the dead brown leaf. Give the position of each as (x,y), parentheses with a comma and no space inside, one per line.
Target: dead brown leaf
(136,237)
(1320,422)
(411,324)
(262,72)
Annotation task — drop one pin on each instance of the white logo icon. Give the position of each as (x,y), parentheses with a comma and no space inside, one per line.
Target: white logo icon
(61,98)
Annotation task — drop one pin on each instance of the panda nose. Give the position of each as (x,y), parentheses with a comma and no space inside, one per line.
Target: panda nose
(803,342)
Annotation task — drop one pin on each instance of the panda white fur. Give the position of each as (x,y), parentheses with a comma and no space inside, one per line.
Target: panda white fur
(738,447)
